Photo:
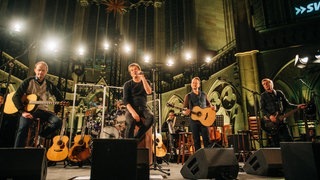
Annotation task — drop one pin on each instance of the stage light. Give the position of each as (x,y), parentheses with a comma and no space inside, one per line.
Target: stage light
(170,62)
(301,62)
(127,48)
(207,59)
(81,51)
(106,45)
(147,58)
(188,56)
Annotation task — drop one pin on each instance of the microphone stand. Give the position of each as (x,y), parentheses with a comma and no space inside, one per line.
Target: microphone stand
(256,113)
(11,64)
(155,165)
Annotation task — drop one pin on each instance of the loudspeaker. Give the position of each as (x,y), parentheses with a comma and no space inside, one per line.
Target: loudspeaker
(23,163)
(301,160)
(114,159)
(265,162)
(219,163)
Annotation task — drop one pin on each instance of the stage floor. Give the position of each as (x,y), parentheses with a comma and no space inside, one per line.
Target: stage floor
(59,172)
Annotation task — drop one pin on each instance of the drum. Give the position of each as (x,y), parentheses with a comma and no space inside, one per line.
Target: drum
(109,132)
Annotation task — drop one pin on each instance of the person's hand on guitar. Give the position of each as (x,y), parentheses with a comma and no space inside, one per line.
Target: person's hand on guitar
(27,115)
(186,112)
(273,118)
(301,106)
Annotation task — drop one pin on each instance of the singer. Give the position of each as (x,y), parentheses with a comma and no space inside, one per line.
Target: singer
(135,93)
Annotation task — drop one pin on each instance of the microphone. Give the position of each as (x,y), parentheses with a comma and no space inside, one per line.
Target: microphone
(140,73)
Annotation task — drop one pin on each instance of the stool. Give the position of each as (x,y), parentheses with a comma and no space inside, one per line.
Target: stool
(185,146)
(243,148)
(33,133)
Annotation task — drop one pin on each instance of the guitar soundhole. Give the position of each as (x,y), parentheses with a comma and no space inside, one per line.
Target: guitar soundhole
(60,143)
(80,142)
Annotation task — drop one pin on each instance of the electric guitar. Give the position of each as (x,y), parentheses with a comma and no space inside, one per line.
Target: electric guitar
(206,116)
(160,149)
(273,127)
(59,149)
(30,101)
(80,150)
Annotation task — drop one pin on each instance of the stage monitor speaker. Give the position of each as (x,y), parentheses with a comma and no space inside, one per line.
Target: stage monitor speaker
(114,159)
(301,160)
(23,163)
(219,163)
(265,162)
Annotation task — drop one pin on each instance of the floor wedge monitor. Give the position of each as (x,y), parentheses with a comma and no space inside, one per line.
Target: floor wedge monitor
(265,162)
(207,163)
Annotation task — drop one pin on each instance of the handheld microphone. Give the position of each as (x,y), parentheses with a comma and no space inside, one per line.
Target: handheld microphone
(140,73)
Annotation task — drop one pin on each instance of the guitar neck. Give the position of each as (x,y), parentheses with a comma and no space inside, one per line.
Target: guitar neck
(289,113)
(43,102)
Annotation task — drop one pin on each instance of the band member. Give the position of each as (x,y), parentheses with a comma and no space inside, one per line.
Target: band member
(44,89)
(168,127)
(135,93)
(274,104)
(197,98)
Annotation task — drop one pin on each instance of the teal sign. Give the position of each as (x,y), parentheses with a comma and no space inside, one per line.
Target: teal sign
(307,9)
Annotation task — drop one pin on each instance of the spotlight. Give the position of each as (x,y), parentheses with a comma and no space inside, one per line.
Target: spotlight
(301,62)
(317,56)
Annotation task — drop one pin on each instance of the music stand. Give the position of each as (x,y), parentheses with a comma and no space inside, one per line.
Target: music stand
(155,165)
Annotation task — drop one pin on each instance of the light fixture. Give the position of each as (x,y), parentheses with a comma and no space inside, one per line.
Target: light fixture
(301,62)
(317,56)
(170,62)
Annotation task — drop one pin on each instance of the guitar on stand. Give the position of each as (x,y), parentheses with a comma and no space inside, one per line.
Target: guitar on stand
(80,150)
(59,149)
(161,149)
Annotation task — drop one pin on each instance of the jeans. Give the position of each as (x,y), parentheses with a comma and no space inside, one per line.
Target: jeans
(144,125)
(283,135)
(197,128)
(53,124)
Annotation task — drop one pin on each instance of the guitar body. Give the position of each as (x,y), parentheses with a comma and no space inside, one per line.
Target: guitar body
(161,149)
(206,116)
(9,107)
(59,149)
(273,127)
(80,151)
(30,101)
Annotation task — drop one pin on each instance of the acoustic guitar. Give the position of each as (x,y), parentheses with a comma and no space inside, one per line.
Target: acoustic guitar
(59,149)
(206,116)
(273,127)
(160,149)
(80,150)
(30,101)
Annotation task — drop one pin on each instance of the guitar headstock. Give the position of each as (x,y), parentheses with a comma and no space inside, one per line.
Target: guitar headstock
(64,103)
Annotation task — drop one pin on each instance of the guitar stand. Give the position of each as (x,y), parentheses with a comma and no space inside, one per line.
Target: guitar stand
(155,165)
